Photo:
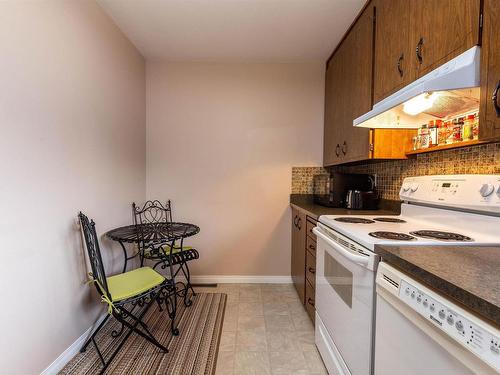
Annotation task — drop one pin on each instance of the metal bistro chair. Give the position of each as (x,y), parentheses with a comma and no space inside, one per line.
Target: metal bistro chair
(128,295)
(166,255)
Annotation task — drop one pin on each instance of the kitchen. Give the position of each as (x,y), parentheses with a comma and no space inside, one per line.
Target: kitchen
(278,187)
(384,297)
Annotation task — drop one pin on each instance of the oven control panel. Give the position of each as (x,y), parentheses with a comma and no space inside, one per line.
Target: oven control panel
(471,192)
(475,336)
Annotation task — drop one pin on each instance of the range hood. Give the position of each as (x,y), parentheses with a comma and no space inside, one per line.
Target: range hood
(448,91)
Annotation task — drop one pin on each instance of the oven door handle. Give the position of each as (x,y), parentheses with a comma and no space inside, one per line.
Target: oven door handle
(359,259)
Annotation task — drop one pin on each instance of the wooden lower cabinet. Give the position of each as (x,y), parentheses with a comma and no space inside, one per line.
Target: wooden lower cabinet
(311,269)
(310,300)
(303,259)
(311,245)
(298,261)
(489,113)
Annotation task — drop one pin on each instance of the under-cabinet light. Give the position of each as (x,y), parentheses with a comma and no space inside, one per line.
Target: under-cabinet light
(419,103)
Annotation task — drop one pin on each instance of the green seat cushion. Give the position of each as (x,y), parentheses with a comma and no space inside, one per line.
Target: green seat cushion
(133,283)
(166,250)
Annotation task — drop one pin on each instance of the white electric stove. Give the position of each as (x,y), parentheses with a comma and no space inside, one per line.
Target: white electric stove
(437,210)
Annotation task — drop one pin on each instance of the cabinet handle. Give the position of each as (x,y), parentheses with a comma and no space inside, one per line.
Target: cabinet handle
(418,50)
(299,223)
(295,220)
(312,247)
(337,150)
(344,148)
(494,98)
(400,60)
(310,301)
(312,270)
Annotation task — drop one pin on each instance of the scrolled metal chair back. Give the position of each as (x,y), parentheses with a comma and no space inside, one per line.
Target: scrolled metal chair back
(94,252)
(153,211)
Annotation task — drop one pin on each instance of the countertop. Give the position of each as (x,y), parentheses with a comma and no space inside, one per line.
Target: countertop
(469,275)
(305,203)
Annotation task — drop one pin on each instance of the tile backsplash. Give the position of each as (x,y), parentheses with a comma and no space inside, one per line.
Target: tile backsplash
(302,179)
(482,159)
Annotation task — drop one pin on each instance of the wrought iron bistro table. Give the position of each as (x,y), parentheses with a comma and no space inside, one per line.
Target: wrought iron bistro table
(150,234)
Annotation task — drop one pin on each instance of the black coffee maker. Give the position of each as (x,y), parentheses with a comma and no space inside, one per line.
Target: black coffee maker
(348,190)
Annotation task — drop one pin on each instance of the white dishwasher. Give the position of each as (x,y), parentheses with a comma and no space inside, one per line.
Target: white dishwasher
(420,332)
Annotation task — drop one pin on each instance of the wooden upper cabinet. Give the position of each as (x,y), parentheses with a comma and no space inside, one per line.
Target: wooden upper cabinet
(414,37)
(393,67)
(348,94)
(357,69)
(442,30)
(334,105)
(489,121)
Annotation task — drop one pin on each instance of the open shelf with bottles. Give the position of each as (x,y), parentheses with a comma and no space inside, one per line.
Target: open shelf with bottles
(447,133)
(445,147)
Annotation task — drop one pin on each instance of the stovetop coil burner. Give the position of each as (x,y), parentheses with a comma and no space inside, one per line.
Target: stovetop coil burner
(389,220)
(392,236)
(442,236)
(354,220)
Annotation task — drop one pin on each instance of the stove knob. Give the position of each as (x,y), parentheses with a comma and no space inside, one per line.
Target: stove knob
(442,314)
(414,187)
(486,190)
(459,325)
(498,191)
(406,187)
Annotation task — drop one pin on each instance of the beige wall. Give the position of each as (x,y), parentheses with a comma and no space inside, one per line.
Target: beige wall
(221,142)
(72,118)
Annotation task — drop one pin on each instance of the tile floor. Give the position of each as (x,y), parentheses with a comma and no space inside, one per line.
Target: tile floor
(266,331)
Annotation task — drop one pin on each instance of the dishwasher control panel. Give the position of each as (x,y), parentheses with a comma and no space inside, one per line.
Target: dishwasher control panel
(469,331)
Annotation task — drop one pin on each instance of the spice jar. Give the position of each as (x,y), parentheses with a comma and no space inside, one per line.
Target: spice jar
(467,128)
(433,133)
(424,136)
(475,127)
(449,131)
(457,129)
(441,132)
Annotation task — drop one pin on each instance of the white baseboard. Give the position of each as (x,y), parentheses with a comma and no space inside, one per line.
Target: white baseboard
(236,279)
(69,353)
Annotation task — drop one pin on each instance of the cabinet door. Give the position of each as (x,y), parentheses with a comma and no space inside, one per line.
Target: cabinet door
(392,143)
(393,67)
(441,30)
(356,54)
(489,122)
(298,262)
(348,94)
(334,108)
(293,268)
(310,301)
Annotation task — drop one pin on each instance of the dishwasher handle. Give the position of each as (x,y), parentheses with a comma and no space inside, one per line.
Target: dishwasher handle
(362,260)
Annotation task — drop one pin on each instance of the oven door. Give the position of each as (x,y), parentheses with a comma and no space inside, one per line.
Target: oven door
(345,295)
